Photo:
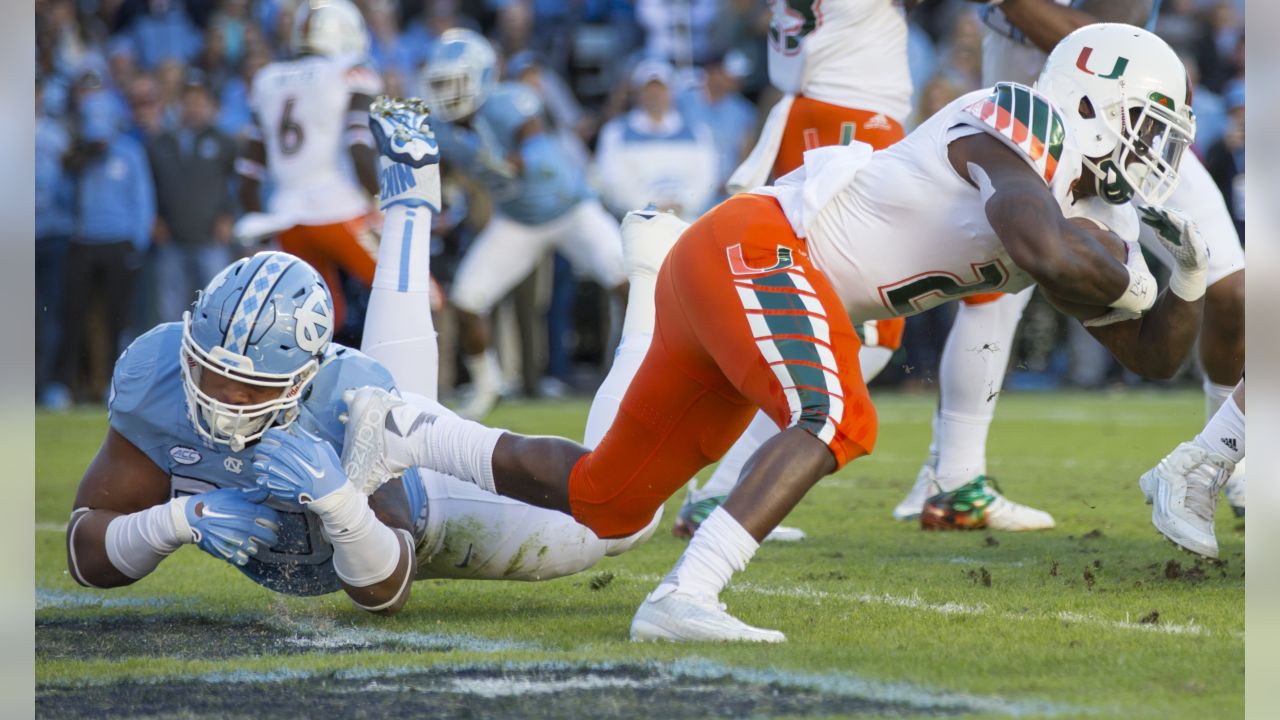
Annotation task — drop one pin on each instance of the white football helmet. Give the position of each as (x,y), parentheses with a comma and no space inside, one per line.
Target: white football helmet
(458,75)
(1127,101)
(329,27)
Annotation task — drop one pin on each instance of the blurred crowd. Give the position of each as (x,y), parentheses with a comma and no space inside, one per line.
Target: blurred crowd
(141,106)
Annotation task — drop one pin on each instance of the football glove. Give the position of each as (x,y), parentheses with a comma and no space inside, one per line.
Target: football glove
(229,525)
(296,467)
(1180,236)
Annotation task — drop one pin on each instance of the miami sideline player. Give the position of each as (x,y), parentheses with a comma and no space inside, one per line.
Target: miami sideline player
(310,140)
(226,432)
(753,305)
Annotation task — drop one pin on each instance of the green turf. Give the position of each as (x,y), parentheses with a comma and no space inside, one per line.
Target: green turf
(1045,619)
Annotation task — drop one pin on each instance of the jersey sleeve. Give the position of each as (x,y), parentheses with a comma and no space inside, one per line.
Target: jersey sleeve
(362,79)
(1022,119)
(132,410)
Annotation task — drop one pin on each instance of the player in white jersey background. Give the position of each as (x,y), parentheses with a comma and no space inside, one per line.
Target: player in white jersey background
(310,144)
(1018,34)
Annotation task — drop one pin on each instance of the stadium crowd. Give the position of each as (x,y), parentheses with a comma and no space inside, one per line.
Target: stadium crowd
(141,106)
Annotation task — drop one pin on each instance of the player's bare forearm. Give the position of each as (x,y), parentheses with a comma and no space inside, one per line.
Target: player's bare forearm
(364,158)
(1156,344)
(87,560)
(1066,261)
(389,596)
(251,167)
(1045,23)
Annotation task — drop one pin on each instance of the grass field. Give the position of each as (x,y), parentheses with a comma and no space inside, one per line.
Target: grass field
(1098,618)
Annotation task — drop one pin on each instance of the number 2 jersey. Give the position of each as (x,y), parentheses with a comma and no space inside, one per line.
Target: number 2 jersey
(302,108)
(898,231)
(148,407)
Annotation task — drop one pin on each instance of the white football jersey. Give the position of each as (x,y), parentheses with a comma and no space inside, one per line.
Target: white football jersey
(301,106)
(851,53)
(899,231)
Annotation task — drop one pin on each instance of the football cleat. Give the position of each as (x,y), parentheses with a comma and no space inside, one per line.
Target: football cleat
(368,458)
(1233,491)
(913,504)
(647,237)
(670,615)
(1183,489)
(693,513)
(408,155)
(978,504)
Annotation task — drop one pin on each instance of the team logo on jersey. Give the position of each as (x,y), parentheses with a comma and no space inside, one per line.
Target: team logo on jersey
(313,323)
(184,455)
(738,264)
(1082,63)
(233,464)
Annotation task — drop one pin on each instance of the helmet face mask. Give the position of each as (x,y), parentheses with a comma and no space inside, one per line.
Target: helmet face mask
(264,322)
(458,75)
(1116,85)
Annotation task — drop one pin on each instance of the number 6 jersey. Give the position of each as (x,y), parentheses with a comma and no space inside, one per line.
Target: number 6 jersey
(301,109)
(899,231)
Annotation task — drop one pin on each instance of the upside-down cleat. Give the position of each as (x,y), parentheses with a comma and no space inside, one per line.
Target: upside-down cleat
(364,443)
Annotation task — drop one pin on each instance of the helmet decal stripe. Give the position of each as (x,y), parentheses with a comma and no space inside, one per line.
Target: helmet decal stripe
(251,302)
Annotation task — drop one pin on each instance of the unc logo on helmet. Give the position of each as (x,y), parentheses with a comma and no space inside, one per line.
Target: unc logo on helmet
(262,325)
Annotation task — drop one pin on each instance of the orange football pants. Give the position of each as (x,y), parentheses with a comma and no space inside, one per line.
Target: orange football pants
(744,321)
(351,246)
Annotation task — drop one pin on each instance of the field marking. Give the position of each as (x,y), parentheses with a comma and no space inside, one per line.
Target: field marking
(47,599)
(322,638)
(915,602)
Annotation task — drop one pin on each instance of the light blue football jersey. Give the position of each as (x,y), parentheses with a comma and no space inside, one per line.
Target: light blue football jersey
(552,180)
(148,407)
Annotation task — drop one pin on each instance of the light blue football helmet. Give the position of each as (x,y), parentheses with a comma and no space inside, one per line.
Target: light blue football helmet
(265,321)
(460,71)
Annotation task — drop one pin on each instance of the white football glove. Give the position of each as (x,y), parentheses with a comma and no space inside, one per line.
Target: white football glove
(1137,298)
(1180,236)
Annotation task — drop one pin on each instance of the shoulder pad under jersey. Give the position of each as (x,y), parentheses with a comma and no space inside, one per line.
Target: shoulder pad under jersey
(145,398)
(342,369)
(1025,120)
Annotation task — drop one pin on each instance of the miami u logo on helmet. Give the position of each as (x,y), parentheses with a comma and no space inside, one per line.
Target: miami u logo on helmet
(1082,63)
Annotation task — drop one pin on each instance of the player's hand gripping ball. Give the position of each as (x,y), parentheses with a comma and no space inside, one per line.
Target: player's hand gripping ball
(296,467)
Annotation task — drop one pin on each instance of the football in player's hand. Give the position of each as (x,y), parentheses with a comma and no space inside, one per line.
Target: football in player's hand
(1118,250)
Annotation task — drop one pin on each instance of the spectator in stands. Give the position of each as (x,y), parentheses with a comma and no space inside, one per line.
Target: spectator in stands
(115,210)
(1216,51)
(653,154)
(1225,159)
(679,32)
(193,170)
(1210,110)
(164,32)
(717,103)
(145,108)
(55,222)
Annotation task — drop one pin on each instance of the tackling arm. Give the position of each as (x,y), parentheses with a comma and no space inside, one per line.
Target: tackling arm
(251,166)
(364,154)
(119,481)
(1063,259)
(1045,22)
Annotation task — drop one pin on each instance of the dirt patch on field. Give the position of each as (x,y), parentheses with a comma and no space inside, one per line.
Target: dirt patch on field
(566,692)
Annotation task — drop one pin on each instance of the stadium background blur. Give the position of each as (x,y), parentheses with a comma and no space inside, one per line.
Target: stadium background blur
(159,89)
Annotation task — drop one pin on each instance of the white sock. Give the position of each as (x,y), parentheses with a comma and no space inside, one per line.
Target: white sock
(446,443)
(365,551)
(1214,396)
(971,377)
(641,306)
(398,329)
(1224,433)
(729,471)
(719,548)
(486,373)
(608,397)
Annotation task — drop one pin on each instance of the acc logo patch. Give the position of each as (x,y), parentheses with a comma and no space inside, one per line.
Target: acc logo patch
(184,455)
(313,322)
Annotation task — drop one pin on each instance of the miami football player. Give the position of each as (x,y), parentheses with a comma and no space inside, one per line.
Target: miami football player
(753,307)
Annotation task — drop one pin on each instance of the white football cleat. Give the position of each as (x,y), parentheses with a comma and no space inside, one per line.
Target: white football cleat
(926,487)
(1233,491)
(670,615)
(408,155)
(647,236)
(1184,491)
(364,442)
